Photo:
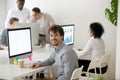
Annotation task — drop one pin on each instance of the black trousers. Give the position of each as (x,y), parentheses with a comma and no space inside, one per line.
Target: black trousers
(41,40)
(85,63)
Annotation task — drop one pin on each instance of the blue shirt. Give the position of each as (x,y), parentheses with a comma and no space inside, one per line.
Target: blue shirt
(66,60)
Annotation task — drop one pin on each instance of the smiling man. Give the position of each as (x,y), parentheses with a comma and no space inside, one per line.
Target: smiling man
(64,56)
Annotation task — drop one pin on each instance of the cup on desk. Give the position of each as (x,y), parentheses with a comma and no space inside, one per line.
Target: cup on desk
(21,63)
(47,46)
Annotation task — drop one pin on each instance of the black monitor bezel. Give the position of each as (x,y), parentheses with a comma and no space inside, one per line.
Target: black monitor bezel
(9,44)
(73,31)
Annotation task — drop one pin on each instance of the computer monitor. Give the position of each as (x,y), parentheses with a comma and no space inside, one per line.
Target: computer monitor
(35,27)
(68,34)
(19,43)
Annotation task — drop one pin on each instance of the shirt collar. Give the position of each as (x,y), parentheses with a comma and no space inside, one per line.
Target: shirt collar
(18,9)
(59,47)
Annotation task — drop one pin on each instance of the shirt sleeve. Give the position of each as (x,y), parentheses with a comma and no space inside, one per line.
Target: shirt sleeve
(3,37)
(88,48)
(49,22)
(28,17)
(49,61)
(70,61)
(50,19)
(9,15)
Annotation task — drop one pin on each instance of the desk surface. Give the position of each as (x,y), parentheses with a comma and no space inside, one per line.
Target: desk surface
(11,71)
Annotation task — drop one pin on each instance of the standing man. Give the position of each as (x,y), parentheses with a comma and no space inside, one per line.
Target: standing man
(64,56)
(45,21)
(23,14)
(4,38)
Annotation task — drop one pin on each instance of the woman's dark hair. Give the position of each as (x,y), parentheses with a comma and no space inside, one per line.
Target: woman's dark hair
(55,29)
(21,0)
(97,29)
(36,9)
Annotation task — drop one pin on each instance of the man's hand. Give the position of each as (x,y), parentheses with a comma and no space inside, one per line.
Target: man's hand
(35,65)
(3,47)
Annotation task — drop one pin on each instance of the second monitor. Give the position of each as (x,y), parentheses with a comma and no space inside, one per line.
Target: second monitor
(68,33)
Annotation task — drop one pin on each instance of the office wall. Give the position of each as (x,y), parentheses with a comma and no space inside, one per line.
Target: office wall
(81,13)
(2,13)
(118,47)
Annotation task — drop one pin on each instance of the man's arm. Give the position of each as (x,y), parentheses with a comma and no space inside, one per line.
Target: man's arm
(70,63)
(88,48)
(47,62)
(9,15)
(28,17)
(49,19)
(3,37)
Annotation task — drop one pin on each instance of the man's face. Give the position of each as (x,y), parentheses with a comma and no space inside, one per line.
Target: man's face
(55,38)
(13,24)
(20,5)
(36,15)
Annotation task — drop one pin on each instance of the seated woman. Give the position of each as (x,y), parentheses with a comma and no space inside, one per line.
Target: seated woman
(95,46)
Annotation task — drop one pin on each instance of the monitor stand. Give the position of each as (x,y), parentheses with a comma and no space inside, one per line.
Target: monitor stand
(14,60)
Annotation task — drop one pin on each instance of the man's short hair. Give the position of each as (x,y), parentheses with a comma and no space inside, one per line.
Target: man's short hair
(36,9)
(13,19)
(55,29)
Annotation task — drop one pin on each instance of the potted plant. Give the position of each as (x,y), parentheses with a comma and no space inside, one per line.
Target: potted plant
(99,78)
(111,14)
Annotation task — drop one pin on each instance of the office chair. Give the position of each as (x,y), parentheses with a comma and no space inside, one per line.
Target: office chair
(77,73)
(93,64)
(104,62)
(98,66)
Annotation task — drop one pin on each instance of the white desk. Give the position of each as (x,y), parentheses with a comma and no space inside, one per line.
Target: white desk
(12,72)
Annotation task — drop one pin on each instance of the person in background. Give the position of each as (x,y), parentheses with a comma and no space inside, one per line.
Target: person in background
(45,21)
(20,12)
(4,38)
(95,46)
(64,56)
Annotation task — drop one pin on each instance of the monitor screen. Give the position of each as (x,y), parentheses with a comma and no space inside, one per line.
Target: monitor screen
(68,34)
(35,27)
(19,41)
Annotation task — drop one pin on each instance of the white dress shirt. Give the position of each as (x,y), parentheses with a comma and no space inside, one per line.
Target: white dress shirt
(23,15)
(95,48)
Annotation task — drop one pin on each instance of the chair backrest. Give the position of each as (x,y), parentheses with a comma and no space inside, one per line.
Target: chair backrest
(105,59)
(98,63)
(93,64)
(76,73)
